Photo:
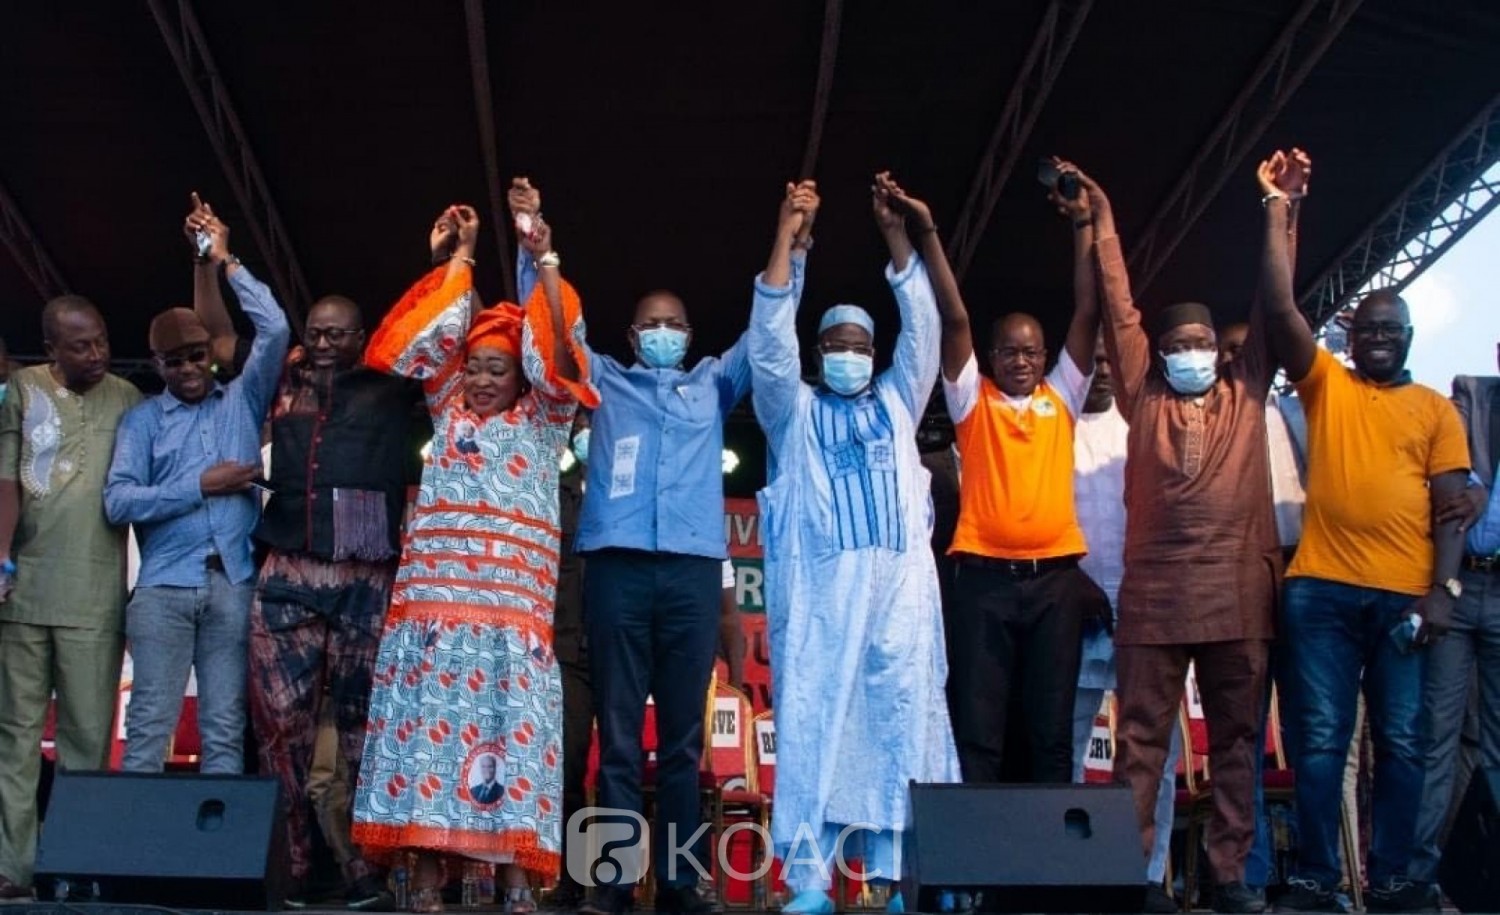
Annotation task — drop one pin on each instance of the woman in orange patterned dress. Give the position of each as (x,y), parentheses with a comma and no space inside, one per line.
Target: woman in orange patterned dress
(463,753)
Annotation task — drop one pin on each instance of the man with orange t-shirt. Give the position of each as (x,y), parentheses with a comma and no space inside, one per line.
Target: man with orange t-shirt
(1019,597)
(1373,582)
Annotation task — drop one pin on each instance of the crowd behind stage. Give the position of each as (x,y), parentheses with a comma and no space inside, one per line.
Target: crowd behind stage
(424,679)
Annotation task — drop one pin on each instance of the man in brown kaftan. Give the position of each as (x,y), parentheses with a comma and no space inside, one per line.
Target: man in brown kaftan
(1202,565)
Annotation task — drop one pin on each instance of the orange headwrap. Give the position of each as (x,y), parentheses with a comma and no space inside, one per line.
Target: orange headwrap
(499,327)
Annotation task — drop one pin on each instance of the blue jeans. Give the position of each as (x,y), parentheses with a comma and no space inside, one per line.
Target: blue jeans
(173,630)
(1332,634)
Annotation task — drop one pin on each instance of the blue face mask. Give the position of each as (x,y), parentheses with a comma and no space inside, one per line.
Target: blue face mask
(662,347)
(847,373)
(581,446)
(3,386)
(1191,372)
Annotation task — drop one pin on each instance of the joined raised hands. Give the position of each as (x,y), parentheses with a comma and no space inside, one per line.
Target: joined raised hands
(454,233)
(539,240)
(888,217)
(1079,208)
(900,201)
(202,219)
(1285,174)
(798,208)
(522,197)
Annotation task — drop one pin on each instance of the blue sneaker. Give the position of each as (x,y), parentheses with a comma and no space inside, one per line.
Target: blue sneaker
(809,902)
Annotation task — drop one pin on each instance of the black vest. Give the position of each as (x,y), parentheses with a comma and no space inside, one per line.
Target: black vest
(363,434)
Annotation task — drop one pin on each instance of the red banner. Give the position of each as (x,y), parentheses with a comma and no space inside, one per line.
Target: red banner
(746,549)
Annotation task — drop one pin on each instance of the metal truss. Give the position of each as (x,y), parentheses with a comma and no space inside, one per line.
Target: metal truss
(1028,94)
(484,114)
(1452,194)
(27,249)
(1296,51)
(205,86)
(828,54)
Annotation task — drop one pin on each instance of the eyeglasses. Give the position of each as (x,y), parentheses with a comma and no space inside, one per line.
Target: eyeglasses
(1190,346)
(334,335)
(1375,330)
(193,355)
(1007,353)
(862,349)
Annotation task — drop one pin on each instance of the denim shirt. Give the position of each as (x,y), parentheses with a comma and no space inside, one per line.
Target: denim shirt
(655,475)
(164,445)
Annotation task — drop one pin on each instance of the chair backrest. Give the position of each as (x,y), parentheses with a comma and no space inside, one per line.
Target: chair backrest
(1194,735)
(1099,757)
(1274,749)
(731,744)
(187,741)
(763,726)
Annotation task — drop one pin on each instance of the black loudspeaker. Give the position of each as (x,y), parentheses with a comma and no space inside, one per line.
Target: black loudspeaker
(182,841)
(1029,848)
(1470,871)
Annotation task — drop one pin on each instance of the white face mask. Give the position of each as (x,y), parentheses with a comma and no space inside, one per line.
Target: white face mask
(1191,372)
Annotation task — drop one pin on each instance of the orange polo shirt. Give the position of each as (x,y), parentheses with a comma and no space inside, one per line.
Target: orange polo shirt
(1371,450)
(1016,465)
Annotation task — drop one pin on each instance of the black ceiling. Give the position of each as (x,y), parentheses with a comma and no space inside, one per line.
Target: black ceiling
(661,135)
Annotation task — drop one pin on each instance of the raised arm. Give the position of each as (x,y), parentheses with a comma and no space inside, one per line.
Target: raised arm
(208,298)
(919,345)
(1126,340)
(422,337)
(1083,330)
(260,374)
(525,204)
(958,339)
(554,356)
(1283,182)
(771,349)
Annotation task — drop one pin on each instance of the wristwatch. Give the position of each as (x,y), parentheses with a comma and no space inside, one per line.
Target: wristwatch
(1453,586)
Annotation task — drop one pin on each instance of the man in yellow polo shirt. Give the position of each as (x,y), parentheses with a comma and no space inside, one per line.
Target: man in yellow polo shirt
(1019,597)
(1373,582)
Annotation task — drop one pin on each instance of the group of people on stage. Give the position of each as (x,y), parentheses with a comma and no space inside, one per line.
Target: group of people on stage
(1123,515)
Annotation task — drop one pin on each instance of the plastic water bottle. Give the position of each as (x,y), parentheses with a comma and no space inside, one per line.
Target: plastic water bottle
(401,884)
(471,885)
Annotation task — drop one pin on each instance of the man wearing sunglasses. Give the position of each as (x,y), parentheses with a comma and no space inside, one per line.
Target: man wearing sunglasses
(1374,580)
(345,444)
(183,465)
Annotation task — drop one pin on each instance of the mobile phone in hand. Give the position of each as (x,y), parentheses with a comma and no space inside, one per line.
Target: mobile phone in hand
(204,241)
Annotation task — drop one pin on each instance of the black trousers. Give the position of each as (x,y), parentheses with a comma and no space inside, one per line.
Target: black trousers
(1014,651)
(653,628)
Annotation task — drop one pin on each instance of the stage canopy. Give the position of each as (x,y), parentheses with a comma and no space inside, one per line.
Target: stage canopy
(329,134)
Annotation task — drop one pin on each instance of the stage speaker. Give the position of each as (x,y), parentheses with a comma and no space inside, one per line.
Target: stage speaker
(1470,871)
(1028,848)
(173,840)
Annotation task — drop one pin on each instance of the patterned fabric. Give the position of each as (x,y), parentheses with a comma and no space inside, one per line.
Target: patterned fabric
(857,440)
(463,752)
(56,444)
(855,629)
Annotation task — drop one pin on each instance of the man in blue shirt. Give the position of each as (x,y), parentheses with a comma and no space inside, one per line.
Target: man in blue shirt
(652,529)
(1468,658)
(183,466)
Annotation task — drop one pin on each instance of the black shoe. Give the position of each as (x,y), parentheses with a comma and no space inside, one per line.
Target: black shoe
(1402,895)
(1158,901)
(1303,895)
(1237,897)
(368,894)
(682,900)
(609,900)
